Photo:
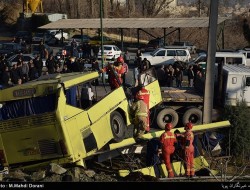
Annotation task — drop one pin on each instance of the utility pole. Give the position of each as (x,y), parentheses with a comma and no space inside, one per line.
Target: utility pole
(102,56)
(210,68)
(199,7)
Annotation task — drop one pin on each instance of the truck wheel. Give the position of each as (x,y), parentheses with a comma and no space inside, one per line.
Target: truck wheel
(193,115)
(167,115)
(118,126)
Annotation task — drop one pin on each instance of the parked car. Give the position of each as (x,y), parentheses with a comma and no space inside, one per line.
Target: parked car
(80,39)
(166,56)
(110,52)
(14,58)
(58,34)
(38,37)
(185,44)
(10,48)
(24,36)
(96,40)
(35,49)
(154,44)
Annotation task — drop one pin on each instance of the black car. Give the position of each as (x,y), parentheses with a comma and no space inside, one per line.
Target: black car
(11,48)
(35,49)
(153,44)
(23,36)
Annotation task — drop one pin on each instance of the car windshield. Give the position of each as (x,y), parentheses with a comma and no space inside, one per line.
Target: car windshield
(107,48)
(153,52)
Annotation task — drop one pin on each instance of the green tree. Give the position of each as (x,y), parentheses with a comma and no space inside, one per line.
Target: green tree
(239,137)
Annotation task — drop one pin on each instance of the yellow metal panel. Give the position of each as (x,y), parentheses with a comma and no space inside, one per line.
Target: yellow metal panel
(25,147)
(196,128)
(146,171)
(178,167)
(155,93)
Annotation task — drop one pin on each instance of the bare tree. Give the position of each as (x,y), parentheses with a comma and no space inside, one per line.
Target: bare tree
(130,6)
(152,8)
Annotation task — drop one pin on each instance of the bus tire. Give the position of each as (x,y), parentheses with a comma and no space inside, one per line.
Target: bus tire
(193,115)
(118,126)
(167,115)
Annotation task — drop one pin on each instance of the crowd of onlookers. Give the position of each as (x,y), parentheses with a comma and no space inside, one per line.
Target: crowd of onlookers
(22,71)
(170,74)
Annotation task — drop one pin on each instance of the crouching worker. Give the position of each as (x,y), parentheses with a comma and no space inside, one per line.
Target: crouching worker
(168,141)
(140,113)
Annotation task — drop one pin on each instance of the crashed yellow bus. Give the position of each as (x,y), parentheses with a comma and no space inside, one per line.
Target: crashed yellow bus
(43,121)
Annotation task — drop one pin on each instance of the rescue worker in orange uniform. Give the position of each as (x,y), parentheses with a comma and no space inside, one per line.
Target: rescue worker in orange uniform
(140,113)
(188,138)
(115,72)
(168,141)
(145,93)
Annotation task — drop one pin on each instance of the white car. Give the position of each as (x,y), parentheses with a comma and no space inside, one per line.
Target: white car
(57,34)
(38,37)
(164,56)
(14,59)
(109,52)
(26,58)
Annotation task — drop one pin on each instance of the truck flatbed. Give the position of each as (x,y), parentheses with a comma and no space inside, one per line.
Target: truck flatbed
(184,94)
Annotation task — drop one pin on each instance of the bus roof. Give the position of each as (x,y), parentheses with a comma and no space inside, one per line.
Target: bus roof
(46,84)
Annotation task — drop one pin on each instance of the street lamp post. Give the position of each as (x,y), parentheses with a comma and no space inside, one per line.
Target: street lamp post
(102,56)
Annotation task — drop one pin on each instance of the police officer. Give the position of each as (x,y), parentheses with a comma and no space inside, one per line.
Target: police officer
(168,141)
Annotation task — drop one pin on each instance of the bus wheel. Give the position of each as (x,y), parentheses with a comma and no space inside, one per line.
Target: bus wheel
(167,115)
(118,126)
(193,115)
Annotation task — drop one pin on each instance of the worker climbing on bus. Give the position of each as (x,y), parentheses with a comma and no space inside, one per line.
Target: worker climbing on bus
(115,71)
(146,95)
(168,141)
(140,113)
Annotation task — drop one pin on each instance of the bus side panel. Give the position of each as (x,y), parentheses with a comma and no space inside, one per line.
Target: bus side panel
(155,93)
(31,144)
(99,115)
(75,128)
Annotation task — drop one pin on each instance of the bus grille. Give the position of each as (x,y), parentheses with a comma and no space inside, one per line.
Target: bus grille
(27,122)
(48,146)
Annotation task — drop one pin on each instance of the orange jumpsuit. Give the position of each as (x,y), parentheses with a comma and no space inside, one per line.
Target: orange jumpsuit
(189,152)
(168,140)
(114,75)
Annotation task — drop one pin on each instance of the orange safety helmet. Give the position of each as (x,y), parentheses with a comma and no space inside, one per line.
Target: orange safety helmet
(120,59)
(168,126)
(189,125)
